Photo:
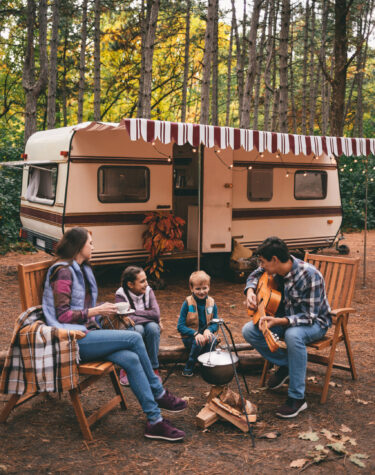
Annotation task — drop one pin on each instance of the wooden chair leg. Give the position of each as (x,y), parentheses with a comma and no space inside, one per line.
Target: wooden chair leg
(349,351)
(80,413)
(331,358)
(117,388)
(8,407)
(266,368)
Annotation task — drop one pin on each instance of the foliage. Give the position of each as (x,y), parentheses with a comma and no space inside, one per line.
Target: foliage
(163,234)
(352,174)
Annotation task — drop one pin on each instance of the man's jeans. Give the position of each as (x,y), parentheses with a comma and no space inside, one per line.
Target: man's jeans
(195,350)
(127,350)
(151,336)
(295,357)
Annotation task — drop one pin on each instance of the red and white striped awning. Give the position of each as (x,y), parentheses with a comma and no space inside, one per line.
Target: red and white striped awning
(223,137)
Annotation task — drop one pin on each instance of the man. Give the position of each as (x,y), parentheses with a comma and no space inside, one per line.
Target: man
(303,316)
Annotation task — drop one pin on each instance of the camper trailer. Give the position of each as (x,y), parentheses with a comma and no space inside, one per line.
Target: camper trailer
(230,185)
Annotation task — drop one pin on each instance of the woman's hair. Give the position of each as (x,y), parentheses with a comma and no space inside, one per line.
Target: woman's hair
(199,277)
(130,275)
(71,243)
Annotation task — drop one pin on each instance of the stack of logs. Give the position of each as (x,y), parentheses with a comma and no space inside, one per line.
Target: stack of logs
(223,403)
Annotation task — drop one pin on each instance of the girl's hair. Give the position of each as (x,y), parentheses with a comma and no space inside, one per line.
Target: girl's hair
(130,275)
(199,277)
(71,243)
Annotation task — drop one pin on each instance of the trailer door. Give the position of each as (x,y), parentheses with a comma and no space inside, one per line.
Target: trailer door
(217,201)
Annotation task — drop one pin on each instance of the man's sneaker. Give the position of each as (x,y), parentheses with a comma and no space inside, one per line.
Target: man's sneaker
(291,408)
(156,371)
(163,430)
(278,378)
(171,403)
(124,378)
(188,373)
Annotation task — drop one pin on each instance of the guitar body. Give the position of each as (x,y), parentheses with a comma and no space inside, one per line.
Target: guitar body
(268,298)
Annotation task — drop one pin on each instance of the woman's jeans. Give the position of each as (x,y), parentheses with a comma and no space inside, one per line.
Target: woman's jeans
(295,357)
(150,332)
(195,350)
(127,350)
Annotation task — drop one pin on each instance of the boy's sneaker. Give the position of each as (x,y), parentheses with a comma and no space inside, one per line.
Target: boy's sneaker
(171,403)
(163,430)
(156,371)
(291,408)
(123,378)
(278,378)
(188,373)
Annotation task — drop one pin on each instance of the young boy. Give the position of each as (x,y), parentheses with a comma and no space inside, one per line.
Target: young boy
(194,324)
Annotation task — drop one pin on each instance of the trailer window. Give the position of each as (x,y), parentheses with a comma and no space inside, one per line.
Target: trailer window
(310,185)
(123,184)
(41,187)
(260,184)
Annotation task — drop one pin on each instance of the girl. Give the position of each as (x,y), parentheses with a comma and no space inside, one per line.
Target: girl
(69,301)
(136,291)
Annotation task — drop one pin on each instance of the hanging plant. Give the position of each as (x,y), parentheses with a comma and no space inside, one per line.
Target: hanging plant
(163,234)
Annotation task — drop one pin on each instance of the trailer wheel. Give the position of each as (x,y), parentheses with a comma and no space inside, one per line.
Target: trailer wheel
(343,249)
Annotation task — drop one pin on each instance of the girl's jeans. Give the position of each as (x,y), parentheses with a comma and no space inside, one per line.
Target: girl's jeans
(295,357)
(128,351)
(151,336)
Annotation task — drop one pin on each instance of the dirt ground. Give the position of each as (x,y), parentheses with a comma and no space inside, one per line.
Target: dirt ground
(43,436)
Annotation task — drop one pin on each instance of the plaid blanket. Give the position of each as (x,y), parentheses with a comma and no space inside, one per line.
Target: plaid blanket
(40,358)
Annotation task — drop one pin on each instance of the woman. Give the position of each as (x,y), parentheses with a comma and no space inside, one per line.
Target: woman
(69,301)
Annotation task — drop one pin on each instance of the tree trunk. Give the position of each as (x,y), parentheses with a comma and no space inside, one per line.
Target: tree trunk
(258,73)
(239,68)
(229,70)
(143,22)
(314,75)
(186,62)
(325,83)
(215,69)
(251,69)
(304,70)
(149,56)
(207,57)
(271,31)
(292,89)
(97,115)
(32,87)
(64,89)
(82,62)
(283,65)
(51,98)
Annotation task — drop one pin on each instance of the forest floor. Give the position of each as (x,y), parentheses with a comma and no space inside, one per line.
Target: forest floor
(42,436)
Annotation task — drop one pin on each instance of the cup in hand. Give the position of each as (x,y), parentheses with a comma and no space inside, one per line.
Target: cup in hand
(122,307)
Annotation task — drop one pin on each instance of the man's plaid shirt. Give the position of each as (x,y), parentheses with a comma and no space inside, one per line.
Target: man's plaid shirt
(305,296)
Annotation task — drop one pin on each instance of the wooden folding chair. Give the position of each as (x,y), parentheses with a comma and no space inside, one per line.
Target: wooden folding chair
(31,278)
(340,276)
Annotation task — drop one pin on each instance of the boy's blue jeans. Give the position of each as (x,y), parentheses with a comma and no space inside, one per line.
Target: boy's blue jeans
(151,336)
(128,351)
(195,350)
(295,357)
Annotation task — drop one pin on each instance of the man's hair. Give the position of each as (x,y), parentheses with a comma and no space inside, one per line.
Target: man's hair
(199,277)
(273,246)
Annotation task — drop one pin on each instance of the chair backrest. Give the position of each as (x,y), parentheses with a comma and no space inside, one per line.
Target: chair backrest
(339,274)
(31,278)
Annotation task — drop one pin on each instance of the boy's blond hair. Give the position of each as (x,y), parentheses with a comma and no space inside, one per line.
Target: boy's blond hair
(199,277)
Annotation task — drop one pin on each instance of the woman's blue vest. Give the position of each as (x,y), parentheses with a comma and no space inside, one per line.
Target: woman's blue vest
(78,294)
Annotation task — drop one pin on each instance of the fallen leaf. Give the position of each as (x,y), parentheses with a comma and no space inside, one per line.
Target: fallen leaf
(313,436)
(330,435)
(312,379)
(298,463)
(3,468)
(233,306)
(356,460)
(270,435)
(361,401)
(361,456)
(292,426)
(187,398)
(338,447)
(321,448)
(347,392)
(335,385)
(345,428)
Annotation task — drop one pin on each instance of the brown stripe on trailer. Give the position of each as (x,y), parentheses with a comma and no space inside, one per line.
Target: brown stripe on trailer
(41,215)
(286,165)
(121,160)
(255,213)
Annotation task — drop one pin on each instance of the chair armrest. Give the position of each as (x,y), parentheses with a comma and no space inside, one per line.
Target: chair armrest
(341,311)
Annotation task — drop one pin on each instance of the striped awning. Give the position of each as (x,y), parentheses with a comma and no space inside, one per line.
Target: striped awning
(223,137)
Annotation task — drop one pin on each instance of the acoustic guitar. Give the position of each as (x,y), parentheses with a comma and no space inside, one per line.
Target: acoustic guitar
(268,300)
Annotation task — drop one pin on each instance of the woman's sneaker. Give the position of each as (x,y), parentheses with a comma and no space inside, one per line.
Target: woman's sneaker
(171,403)
(164,430)
(156,372)
(124,378)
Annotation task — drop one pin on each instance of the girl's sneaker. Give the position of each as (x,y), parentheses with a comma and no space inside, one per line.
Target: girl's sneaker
(123,378)
(164,430)
(156,371)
